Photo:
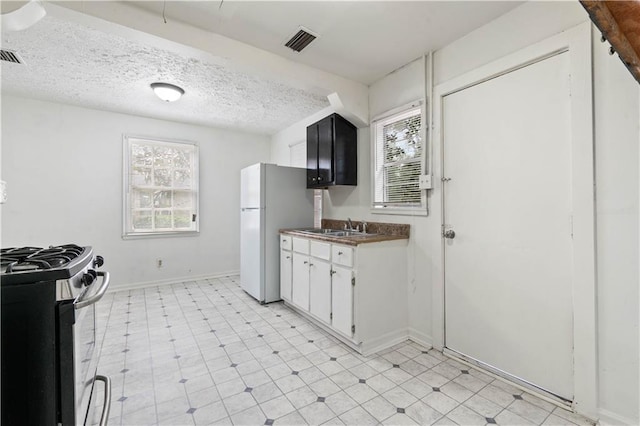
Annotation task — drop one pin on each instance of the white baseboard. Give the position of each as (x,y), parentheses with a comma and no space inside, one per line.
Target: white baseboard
(610,418)
(383,342)
(420,338)
(177,280)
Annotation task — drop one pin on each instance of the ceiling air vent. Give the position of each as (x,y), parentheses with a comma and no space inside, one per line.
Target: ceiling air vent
(301,39)
(9,56)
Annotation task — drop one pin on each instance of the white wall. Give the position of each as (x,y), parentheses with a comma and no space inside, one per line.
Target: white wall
(63,165)
(617,178)
(281,141)
(617,185)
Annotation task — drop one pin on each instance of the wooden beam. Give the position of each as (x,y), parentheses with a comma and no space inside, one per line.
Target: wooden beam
(619,22)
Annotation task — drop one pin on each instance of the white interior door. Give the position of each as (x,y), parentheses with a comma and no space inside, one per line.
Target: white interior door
(508,269)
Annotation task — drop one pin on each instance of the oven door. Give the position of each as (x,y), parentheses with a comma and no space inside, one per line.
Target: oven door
(86,350)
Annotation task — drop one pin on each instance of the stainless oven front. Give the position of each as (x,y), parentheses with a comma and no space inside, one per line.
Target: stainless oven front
(79,349)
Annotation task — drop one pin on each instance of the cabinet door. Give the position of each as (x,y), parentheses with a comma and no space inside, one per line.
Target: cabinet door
(342,299)
(325,150)
(320,289)
(312,155)
(286,276)
(300,281)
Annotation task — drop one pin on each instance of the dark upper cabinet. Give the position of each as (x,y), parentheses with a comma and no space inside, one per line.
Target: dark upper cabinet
(332,153)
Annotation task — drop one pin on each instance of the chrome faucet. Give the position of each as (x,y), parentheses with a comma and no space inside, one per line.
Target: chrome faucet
(349,225)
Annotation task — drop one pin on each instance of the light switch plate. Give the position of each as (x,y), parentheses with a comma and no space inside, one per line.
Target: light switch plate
(3,192)
(425,182)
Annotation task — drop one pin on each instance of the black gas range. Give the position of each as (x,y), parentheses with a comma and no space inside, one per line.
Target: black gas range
(49,345)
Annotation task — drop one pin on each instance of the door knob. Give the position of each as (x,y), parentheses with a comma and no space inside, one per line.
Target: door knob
(449,233)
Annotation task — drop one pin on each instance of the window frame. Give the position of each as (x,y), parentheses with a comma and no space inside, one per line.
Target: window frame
(127,202)
(409,209)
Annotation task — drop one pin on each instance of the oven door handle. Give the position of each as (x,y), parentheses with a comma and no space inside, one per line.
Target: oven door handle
(107,399)
(101,291)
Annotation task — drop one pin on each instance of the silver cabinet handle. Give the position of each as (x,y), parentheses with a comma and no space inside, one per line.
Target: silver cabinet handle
(106,407)
(101,291)
(450,234)
(340,253)
(305,262)
(332,272)
(288,257)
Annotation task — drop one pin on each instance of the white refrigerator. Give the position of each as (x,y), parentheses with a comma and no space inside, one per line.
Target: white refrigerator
(271,198)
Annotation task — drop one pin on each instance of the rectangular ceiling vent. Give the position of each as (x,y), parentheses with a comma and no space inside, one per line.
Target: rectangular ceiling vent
(301,39)
(9,56)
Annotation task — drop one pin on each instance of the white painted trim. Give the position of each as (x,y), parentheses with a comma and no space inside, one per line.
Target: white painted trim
(177,280)
(129,234)
(420,338)
(576,41)
(404,210)
(541,395)
(397,110)
(610,418)
(383,342)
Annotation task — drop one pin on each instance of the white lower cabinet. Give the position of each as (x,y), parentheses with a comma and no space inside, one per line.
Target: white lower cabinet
(300,281)
(358,293)
(320,289)
(286,265)
(342,299)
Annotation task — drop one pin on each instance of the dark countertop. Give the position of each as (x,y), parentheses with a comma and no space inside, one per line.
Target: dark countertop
(376,232)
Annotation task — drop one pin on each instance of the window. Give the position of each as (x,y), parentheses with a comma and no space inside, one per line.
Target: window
(161,187)
(398,152)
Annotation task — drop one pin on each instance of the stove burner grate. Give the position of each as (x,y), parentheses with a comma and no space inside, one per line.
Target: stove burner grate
(23,259)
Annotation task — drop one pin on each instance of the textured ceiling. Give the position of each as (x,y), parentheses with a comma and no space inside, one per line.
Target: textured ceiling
(71,63)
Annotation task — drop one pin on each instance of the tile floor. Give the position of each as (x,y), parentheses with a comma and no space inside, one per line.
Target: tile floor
(204,352)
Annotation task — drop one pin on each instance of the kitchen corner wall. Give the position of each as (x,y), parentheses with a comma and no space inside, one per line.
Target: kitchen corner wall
(64,170)
(617,137)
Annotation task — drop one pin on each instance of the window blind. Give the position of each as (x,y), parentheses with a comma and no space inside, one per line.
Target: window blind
(398,160)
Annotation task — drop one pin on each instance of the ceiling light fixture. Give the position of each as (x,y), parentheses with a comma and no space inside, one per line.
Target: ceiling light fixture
(167,92)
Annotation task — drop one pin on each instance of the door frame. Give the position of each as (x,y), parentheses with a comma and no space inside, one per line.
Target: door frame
(577,42)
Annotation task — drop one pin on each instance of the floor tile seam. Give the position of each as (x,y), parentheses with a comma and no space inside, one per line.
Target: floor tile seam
(529,420)
(157,288)
(502,409)
(173,288)
(207,296)
(371,414)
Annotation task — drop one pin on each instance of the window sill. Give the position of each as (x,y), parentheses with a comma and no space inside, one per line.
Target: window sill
(417,211)
(142,235)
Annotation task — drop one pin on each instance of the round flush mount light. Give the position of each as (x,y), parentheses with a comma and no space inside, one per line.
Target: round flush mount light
(167,92)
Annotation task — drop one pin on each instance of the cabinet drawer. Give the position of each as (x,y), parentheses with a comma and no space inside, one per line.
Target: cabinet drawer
(301,245)
(285,242)
(342,255)
(320,250)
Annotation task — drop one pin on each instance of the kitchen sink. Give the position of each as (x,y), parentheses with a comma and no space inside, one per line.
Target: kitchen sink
(348,234)
(336,232)
(320,231)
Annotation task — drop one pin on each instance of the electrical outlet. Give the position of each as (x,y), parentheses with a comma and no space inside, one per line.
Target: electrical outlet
(159,263)
(425,182)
